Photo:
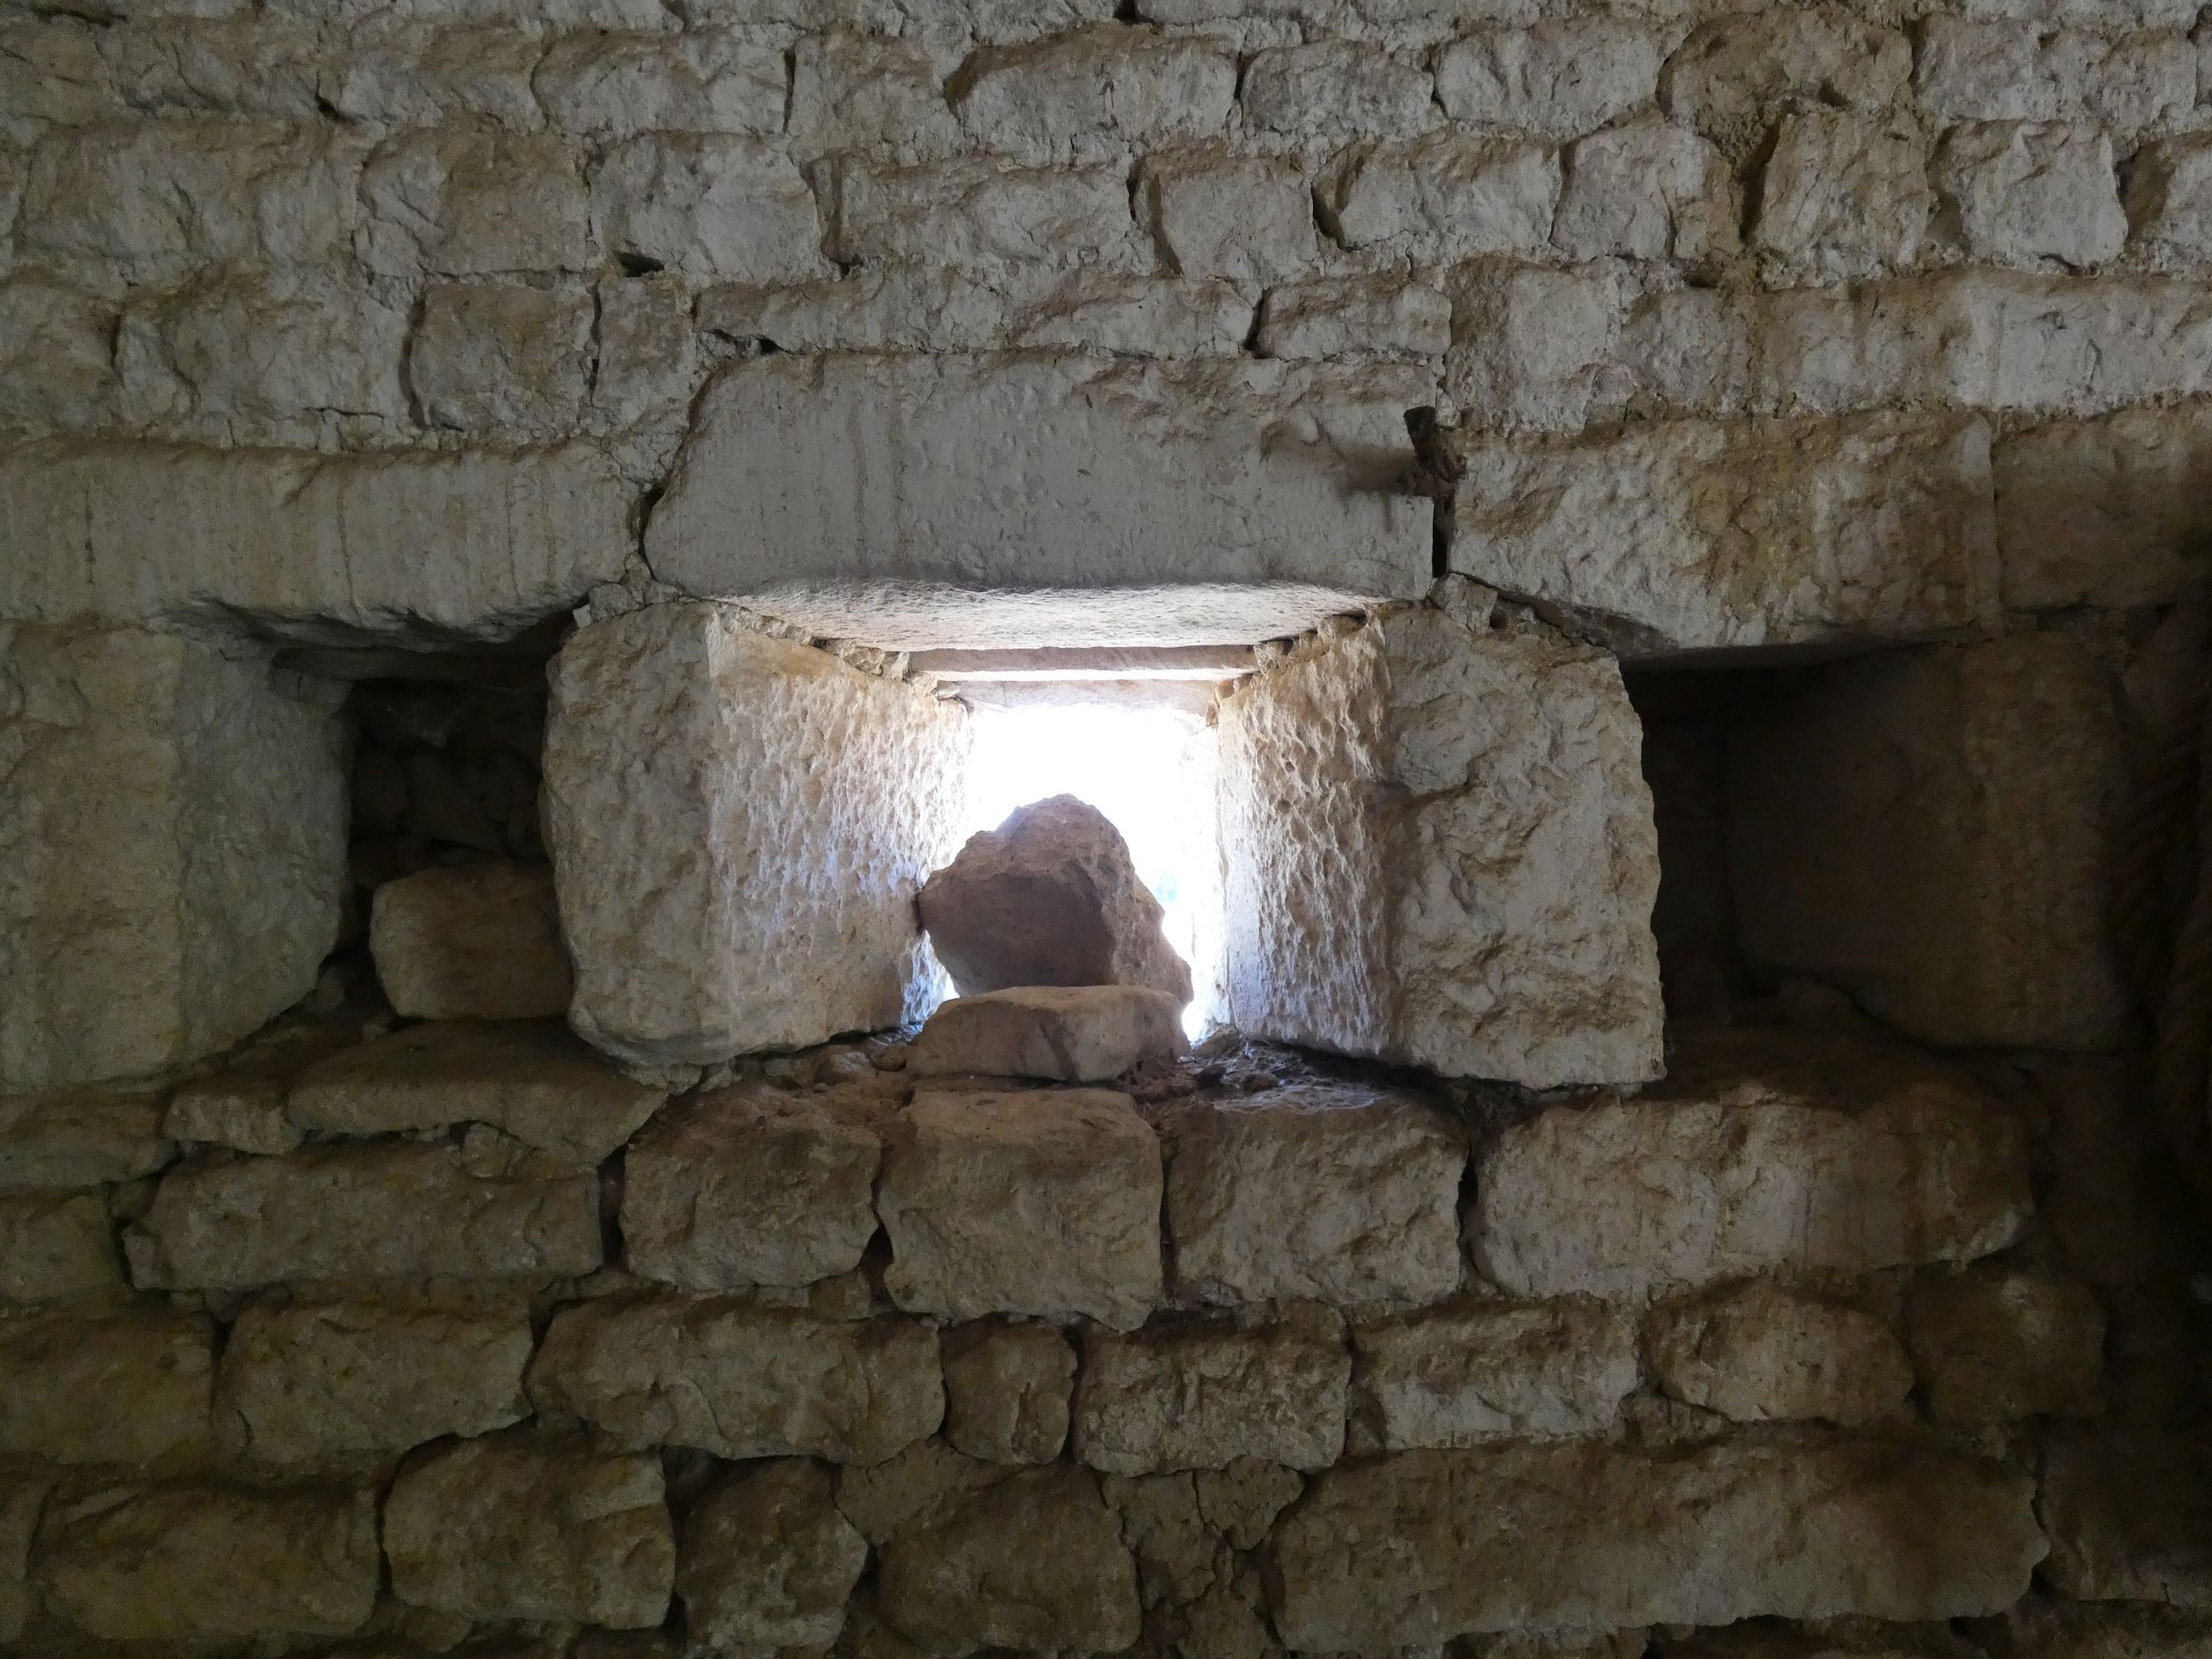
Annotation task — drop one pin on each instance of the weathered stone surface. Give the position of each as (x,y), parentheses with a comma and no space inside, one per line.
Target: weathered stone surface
(514,1527)
(1646,190)
(1242,1500)
(21,1501)
(768,1561)
(704,80)
(1033,1562)
(1247,218)
(2169,199)
(1200,1395)
(709,786)
(57,350)
(1494,919)
(172,851)
(316,1378)
(1045,1203)
(1998,1343)
(1975,788)
(1123,480)
(1061,1033)
(1560,78)
(1845,195)
(200,1564)
(1532,348)
(2004,68)
(1760,1152)
(2044,1628)
(528,1079)
(1478,1371)
(707,206)
(1007,1392)
(80,1138)
(753,1185)
(401,1211)
(479,941)
(979,217)
(1336,1192)
(54,1245)
(1759,1352)
(1042,99)
(241,1106)
(473,203)
(1336,90)
(2020,192)
(740,1381)
(503,359)
(1441,197)
(1415,1549)
(127,1388)
(2129,1514)
(1721,78)
(1163,1527)
(871,95)
(1355,317)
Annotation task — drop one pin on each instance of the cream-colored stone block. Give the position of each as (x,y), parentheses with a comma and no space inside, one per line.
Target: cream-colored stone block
(768,1562)
(1757,1351)
(128,1387)
(482,941)
(1473,1372)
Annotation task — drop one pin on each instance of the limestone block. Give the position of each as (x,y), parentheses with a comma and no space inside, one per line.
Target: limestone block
(2008,68)
(317,1379)
(1975,787)
(395,71)
(21,1501)
(707,79)
(2023,192)
(1561,78)
(1248,219)
(503,358)
(872,96)
(1336,1192)
(1132,315)
(2047,1628)
(402,1210)
(128,1387)
(708,787)
(57,353)
(2130,1513)
(1050,898)
(517,1526)
(1731,71)
(984,217)
(1843,194)
(1035,1561)
(1497,924)
(708,206)
(741,1380)
(189,64)
(57,1245)
(648,353)
(1759,1352)
(473,202)
(1200,1395)
(1337,317)
(80,1138)
(1532,348)
(1995,1344)
(768,1561)
(2108,512)
(1446,195)
(2169,199)
(753,1185)
(241,1106)
(1144,504)
(1875,526)
(291,538)
(1107,85)
(1177,1556)
(1007,1392)
(1336,90)
(1646,190)
(1242,1501)
(1064,1034)
(204,1563)
(1045,1203)
(478,941)
(172,851)
(1760,1152)
(1478,1371)
(1412,1549)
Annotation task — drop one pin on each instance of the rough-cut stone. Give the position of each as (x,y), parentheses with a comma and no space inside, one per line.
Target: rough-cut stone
(128,1388)
(2109,513)
(768,1561)
(704,80)
(1248,219)
(209,1564)
(1355,317)
(21,1501)
(514,1527)
(1443,197)
(479,941)
(1532,348)
(2169,200)
(1200,1395)
(2044,1628)
(754,1185)
(1045,1203)
(499,359)
(1759,1352)
(1722,78)
(2129,1514)
(2021,193)
(1561,79)
(1760,1152)
(80,1138)
(399,1210)
(707,206)
(531,1080)
(983,218)
(1242,1500)
(57,1245)
(1995,1344)
(1336,90)
(1035,1561)
(2007,69)
(871,95)
(1063,1033)
(709,787)
(1646,190)
(1929,831)
(649,363)
(171,850)
(1478,1371)
(315,1379)
(1439,851)
(1007,1392)
(56,351)
(1415,1549)
(740,1381)
(1163,1527)
(1845,195)
(472,202)
(242,1105)
(1044,99)
(1143,504)
(1335,1192)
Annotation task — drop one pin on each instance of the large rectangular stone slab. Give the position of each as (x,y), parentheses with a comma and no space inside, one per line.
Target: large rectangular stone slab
(1478,1371)
(738,825)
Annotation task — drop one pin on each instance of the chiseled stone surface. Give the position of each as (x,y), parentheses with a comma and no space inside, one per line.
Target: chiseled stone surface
(1043,1202)
(1998,1343)
(315,1379)
(768,1562)
(241,1106)
(1060,1033)
(708,787)
(740,1381)
(478,941)
(1762,1152)
(182,1563)
(1422,1546)
(516,1527)
(1007,1391)
(1758,1351)
(1480,1371)
(55,1245)
(1200,1395)
(753,1185)
(1337,1192)
(398,1210)
(80,1137)
(2130,1514)
(123,1387)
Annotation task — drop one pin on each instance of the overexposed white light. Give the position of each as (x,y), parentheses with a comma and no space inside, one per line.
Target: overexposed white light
(1152,771)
